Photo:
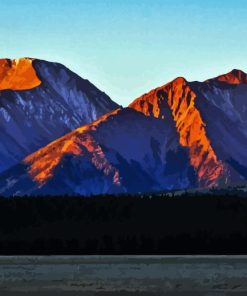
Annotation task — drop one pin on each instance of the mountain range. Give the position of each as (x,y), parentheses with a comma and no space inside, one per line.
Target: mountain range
(61,135)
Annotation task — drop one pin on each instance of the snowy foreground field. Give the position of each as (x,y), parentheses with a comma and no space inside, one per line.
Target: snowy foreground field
(123,275)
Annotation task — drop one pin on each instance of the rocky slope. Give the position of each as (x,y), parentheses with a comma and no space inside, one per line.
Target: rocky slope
(41,101)
(123,151)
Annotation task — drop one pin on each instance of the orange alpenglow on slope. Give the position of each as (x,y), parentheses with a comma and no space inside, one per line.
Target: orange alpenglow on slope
(233,77)
(18,74)
(79,142)
(189,124)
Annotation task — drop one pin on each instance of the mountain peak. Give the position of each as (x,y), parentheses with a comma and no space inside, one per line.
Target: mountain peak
(233,77)
(178,81)
(18,74)
(178,97)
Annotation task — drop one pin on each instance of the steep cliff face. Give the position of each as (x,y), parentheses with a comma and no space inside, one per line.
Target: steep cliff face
(41,101)
(190,126)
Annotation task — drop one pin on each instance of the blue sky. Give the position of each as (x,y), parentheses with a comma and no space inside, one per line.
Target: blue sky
(127,47)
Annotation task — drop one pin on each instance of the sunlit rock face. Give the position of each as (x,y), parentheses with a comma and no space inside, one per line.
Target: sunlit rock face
(233,77)
(77,143)
(18,74)
(41,101)
(180,99)
(180,135)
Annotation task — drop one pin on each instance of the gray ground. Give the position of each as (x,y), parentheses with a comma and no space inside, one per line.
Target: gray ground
(123,275)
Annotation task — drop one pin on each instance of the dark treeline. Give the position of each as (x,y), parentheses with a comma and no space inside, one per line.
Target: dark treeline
(209,223)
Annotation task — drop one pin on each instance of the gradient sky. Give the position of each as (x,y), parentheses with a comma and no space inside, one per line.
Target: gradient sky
(127,47)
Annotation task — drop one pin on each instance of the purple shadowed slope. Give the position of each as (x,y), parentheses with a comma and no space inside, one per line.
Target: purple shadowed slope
(31,118)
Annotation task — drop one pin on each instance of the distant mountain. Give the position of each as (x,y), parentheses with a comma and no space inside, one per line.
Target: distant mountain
(41,101)
(180,135)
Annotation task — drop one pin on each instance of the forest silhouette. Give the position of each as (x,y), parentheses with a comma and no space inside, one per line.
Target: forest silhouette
(213,222)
